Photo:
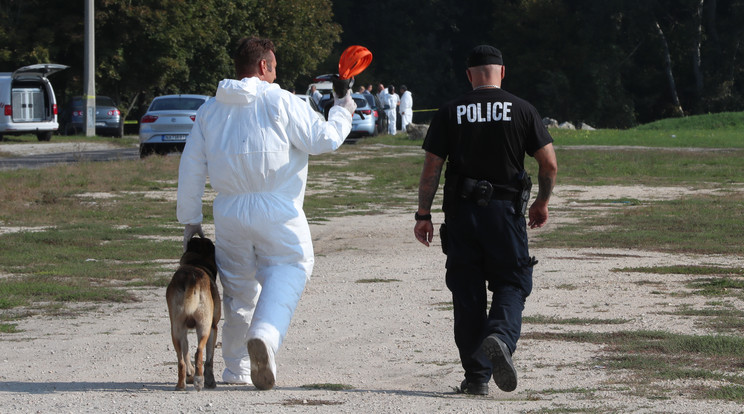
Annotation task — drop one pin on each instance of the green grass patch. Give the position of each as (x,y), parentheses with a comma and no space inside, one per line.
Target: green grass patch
(722,319)
(633,166)
(9,328)
(685,270)
(552,320)
(304,402)
(328,387)
(702,225)
(377,280)
(727,392)
(721,130)
(720,286)
(443,306)
(26,290)
(363,179)
(655,356)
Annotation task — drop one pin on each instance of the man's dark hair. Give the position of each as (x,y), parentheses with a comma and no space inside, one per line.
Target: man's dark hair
(249,53)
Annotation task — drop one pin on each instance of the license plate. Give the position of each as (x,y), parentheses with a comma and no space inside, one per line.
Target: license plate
(100,124)
(174,137)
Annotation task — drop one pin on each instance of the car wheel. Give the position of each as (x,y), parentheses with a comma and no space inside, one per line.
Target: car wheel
(44,136)
(145,150)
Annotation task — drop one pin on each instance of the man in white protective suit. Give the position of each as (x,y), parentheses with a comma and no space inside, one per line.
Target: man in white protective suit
(406,107)
(253,140)
(391,109)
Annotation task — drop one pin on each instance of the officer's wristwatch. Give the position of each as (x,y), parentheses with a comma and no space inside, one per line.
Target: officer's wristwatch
(420,217)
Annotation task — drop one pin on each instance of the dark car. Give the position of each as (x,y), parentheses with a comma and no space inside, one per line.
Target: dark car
(108,117)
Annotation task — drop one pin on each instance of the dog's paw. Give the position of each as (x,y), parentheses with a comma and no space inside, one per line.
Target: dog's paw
(198,383)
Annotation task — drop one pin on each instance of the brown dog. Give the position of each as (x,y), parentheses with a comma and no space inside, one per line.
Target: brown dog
(194,302)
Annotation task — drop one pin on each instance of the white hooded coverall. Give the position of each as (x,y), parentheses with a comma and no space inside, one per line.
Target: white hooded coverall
(253,141)
(406,110)
(392,103)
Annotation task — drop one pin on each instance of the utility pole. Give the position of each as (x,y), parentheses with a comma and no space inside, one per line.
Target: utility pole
(89,73)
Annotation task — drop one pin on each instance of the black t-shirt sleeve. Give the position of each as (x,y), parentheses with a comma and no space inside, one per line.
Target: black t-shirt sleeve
(436,137)
(537,134)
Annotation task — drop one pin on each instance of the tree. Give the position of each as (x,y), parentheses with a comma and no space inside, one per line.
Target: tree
(602,62)
(185,46)
(151,47)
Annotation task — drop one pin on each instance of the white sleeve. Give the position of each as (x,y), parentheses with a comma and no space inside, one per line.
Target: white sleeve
(310,133)
(192,176)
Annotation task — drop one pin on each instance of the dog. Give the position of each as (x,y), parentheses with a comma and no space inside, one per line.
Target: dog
(194,303)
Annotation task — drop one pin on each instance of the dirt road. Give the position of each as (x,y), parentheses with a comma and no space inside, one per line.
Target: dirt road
(375,321)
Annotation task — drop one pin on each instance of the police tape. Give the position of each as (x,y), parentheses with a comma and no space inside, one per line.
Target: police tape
(130,122)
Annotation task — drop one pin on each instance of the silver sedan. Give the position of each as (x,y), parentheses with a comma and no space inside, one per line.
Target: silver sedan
(167,123)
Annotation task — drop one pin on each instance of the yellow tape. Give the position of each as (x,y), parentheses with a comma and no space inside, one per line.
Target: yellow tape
(424,110)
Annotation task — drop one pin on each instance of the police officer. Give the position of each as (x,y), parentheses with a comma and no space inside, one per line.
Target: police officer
(484,135)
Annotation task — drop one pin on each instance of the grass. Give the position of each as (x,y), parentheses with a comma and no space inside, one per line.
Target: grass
(9,328)
(377,280)
(724,318)
(328,387)
(551,320)
(685,270)
(721,130)
(652,357)
(697,224)
(116,241)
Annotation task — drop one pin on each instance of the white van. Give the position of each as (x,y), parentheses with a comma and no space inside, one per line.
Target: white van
(27,101)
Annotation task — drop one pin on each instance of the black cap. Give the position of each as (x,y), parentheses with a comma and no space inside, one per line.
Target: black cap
(484,55)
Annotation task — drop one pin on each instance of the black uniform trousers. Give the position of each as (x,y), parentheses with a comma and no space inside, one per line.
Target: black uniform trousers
(487,247)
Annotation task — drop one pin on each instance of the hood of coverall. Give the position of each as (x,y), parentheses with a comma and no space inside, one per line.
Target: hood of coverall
(242,91)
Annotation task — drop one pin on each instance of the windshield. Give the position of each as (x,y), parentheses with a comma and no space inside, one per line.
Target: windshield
(77,102)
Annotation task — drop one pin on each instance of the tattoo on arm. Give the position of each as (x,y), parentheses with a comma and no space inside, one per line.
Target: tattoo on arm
(429,181)
(545,187)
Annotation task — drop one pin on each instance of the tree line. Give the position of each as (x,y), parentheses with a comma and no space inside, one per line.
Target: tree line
(611,63)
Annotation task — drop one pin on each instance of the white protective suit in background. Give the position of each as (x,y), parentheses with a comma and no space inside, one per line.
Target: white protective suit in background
(406,110)
(392,104)
(253,141)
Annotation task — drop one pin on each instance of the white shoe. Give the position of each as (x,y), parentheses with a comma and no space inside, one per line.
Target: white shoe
(263,366)
(228,377)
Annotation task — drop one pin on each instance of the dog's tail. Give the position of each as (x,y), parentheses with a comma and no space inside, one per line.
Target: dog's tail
(193,292)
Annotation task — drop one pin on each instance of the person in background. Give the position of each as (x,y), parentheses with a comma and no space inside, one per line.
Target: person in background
(391,108)
(406,107)
(315,95)
(382,99)
(253,140)
(484,136)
